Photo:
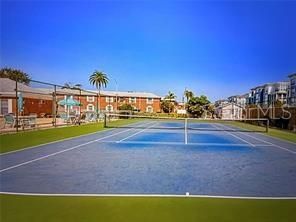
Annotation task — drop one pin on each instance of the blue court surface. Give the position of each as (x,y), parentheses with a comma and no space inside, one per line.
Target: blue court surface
(152,160)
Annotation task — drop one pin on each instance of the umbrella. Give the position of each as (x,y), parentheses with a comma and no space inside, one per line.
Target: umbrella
(68,102)
(20,103)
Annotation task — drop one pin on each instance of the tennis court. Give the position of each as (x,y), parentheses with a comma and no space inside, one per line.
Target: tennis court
(157,156)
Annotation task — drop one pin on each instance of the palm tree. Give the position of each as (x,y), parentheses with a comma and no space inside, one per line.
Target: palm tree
(69,85)
(15,74)
(99,79)
(171,97)
(188,94)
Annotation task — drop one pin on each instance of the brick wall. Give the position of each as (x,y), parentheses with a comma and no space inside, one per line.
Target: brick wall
(139,103)
(35,106)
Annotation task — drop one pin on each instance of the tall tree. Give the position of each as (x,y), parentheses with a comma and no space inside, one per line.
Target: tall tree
(170,97)
(99,79)
(188,94)
(166,106)
(196,106)
(15,74)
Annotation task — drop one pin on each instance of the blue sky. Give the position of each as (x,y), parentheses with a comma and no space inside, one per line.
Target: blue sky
(216,48)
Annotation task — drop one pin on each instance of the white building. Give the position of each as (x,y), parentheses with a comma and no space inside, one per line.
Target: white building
(229,111)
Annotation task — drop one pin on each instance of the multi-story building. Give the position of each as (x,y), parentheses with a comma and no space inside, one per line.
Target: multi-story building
(41,100)
(279,93)
(240,100)
(269,94)
(256,95)
(111,101)
(221,102)
(292,90)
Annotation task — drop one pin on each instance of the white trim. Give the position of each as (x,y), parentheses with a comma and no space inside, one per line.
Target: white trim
(149,107)
(90,98)
(107,109)
(109,99)
(132,98)
(93,107)
(149,102)
(9,105)
(148,195)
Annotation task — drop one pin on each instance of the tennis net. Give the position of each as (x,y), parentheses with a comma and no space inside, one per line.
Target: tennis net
(156,122)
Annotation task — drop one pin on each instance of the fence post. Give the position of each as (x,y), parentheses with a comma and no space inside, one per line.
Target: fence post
(16,106)
(267,125)
(97,104)
(55,106)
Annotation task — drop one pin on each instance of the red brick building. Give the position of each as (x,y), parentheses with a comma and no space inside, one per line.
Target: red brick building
(110,101)
(40,101)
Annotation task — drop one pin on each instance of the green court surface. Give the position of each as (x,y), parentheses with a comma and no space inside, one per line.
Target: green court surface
(35,208)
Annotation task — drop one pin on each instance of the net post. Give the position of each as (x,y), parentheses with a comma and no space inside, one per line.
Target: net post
(105,120)
(267,125)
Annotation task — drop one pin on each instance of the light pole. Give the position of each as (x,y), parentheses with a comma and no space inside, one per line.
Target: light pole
(116,88)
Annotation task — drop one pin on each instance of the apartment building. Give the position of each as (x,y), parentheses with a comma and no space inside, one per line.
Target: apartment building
(268,94)
(41,101)
(111,101)
(240,100)
(292,90)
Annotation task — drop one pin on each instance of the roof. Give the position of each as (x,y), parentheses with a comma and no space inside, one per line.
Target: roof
(292,75)
(258,87)
(230,104)
(7,89)
(129,94)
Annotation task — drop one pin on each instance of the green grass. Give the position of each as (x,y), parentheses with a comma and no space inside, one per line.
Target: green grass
(33,208)
(277,133)
(11,142)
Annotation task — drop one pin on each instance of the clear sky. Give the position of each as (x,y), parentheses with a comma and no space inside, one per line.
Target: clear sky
(217,48)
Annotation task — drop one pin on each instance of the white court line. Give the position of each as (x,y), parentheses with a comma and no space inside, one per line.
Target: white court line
(62,151)
(61,140)
(182,143)
(236,136)
(267,142)
(185,133)
(148,195)
(56,141)
(119,141)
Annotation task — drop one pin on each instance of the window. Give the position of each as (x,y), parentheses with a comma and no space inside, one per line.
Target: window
(149,100)
(132,99)
(41,101)
(109,108)
(109,99)
(149,109)
(121,99)
(90,107)
(4,106)
(90,98)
